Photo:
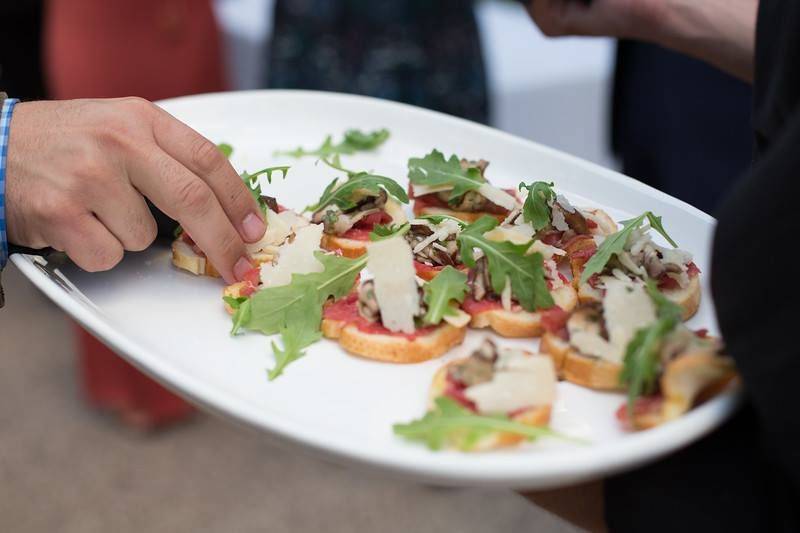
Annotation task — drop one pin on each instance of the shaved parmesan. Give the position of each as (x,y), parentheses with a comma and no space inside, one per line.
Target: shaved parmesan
(395,210)
(519,381)
(392,266)
(296,257)
(422,190)
(546,250)
(627,308)
(294,220)
(459,320)
(559,222)
(517,234)
(498,196)
(278,229)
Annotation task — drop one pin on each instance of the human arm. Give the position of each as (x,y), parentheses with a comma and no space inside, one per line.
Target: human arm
(720,32)
(78,172)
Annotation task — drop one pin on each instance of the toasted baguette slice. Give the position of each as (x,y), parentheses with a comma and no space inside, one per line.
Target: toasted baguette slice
(392,348)
(587,371)
(605,224)
(467,216)
(351,248)
(521,324)
(184,258)
(688,380)
(688,298)
(535,416)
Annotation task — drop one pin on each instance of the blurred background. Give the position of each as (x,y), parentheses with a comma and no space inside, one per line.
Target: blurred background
(89,444)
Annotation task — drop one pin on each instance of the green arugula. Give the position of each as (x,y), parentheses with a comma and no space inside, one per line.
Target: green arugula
(342,196)
(642,362)
(434,170)
(615,244)
(295,310)
(536,209)
(449,286)
(380,231)
(507,261)
(450,423)
(354,141)
(226,149)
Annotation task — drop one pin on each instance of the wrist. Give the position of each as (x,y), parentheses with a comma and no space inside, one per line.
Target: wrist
(6,109)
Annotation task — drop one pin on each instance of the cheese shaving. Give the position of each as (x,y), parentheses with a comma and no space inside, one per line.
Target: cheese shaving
(519,381)
(390,262)
(498,196)
(296,257)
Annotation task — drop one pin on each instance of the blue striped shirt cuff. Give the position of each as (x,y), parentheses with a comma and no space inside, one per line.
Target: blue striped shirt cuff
(5,126)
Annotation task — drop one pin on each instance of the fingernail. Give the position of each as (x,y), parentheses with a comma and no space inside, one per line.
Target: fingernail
(242,267)
(254,227)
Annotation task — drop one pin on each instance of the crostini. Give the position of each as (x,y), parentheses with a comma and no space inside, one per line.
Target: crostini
(389,317)
(350,209)
(588,345)
(281,225)
(631,253)
(512,286)
(434,243)
(691,368)
(510,384)
(457,188)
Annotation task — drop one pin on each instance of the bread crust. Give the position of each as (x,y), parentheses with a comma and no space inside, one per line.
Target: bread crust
(393,348)
(535,416)
(184,258)
(467,216)
(571,365)
(351,248)
(522,324)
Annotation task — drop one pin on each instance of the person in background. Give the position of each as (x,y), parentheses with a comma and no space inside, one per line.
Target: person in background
(413,51)
(745,476)
(150,48)
(678,124)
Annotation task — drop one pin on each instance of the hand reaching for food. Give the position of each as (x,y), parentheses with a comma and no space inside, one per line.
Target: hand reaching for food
(78,173)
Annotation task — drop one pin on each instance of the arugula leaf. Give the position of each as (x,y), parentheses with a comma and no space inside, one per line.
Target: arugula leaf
(450,423)
(615,244)
(380,232)
(342,196)
(301,331)
(435,170)
(295,310)
(354,141)
(448,286)
(251,180)
(241,313)
(438,219)
(226,149)
(507,261)
(642,361)
(536,209)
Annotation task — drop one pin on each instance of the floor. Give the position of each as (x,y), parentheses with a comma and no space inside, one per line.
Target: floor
(65,468)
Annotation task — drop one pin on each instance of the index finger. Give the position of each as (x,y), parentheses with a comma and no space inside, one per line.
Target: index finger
(203,158)
(188,199)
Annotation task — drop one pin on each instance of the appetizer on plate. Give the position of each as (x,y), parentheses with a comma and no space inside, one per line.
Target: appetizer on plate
(685,369)
(631,253)
(350,209)
(394,317)
(282,223)
(512,286)
(552,219)
(501,397)
(588,345)
(433,241)
(457,188)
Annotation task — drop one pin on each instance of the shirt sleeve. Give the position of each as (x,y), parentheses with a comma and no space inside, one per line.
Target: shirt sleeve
(757,293)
